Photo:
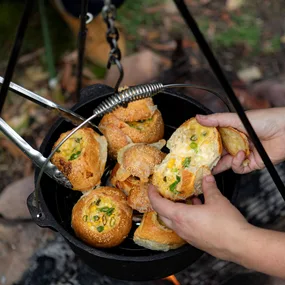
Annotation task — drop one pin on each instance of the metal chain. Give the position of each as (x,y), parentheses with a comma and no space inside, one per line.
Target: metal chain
(112,35)
(109,15)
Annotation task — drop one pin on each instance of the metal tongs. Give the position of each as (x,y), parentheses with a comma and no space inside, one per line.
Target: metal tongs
(37,158)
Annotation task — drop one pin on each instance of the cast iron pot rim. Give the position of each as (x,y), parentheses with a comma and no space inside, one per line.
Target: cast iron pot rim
(52,223)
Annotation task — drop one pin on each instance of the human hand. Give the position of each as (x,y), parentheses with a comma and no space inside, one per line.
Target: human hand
(215,227)
(269,125)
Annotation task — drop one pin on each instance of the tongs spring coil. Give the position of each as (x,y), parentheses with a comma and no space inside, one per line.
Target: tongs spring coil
(121,98)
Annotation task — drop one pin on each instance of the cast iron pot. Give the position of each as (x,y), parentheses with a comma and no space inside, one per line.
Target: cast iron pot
(126,261)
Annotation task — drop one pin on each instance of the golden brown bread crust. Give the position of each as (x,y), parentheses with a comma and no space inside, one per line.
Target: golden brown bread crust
(102,218)
(125,185)
(82,158)
(137,110)
(134,189)
(140,122)
(138,198)
(152,234)
(139,160)
(234,141)
(194,151)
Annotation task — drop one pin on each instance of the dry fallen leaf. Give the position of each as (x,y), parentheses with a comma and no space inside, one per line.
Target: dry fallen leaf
(11,148)
(232,5)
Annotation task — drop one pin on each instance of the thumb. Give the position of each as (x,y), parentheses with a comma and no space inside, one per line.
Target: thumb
(220,120)
(210,190)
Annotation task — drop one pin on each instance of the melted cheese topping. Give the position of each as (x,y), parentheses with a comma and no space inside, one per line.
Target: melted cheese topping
(172,169)
(140,125)
(72,148)
(191,152)
(101,215)
(190,138)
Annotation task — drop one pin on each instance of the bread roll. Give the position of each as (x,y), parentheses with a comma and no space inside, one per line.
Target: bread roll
(102,218)
(194,151)
(135,165)
(234,141)
(82,158)
(126,184)
(138,198)
(154,235)
(139,160)
(140,122)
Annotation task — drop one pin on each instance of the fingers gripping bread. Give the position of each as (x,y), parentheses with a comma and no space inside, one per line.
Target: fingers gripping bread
(154,235)
(194,151)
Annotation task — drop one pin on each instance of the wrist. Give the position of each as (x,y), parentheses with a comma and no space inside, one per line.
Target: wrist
(238,245)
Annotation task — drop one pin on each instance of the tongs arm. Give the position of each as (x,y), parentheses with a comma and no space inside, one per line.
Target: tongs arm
(36,157)
(61,111)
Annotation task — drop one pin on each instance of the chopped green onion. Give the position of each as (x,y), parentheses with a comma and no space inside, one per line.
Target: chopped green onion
(100,229)
(85,218)
(146,120)
(104,220)
(173,186)
(78,140)
(112,222)
(74,155)
(175,169)
(96,218)
(110,211)
(193,145)
(134,125)
(193,138)
(204,133)
(186,162)
(58,150)
(104,209)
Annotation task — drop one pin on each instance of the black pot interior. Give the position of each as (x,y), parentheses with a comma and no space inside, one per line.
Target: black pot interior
(59,201)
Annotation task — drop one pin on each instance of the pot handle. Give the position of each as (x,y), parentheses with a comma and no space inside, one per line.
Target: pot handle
(38,214)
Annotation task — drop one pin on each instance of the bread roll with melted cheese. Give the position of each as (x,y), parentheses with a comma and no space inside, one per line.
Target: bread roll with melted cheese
(82,158)
(154,235)
(102,217)
(194,151)
(140,122)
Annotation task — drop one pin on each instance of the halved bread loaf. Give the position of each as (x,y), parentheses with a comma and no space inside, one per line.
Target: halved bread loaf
(234,141)
(154,235)
(82,158)
(194,151)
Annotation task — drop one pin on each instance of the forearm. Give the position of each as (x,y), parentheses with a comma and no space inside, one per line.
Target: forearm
(261,250)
